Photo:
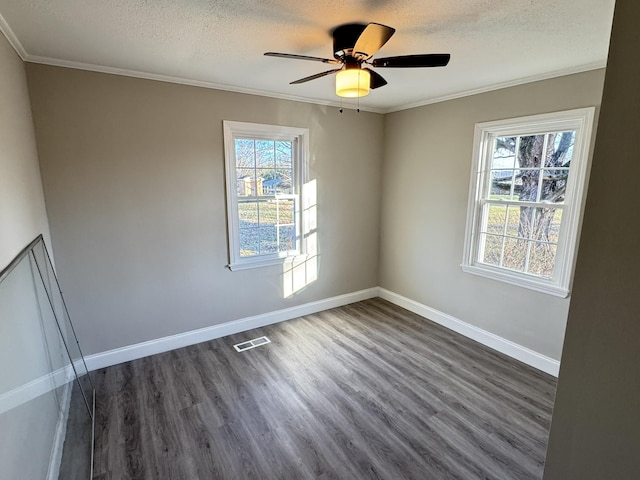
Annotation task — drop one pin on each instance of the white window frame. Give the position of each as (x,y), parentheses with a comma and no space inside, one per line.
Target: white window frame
(300,140)
(581,120)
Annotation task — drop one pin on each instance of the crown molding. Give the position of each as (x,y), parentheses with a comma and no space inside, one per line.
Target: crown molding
(262,93)
(12,39)
(56,62)
(498,86)
(185,81)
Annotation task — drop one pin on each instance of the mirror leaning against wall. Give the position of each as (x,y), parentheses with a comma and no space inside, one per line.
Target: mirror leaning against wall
(47,398)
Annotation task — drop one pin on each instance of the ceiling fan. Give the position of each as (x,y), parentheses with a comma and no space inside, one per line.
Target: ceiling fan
(354,45)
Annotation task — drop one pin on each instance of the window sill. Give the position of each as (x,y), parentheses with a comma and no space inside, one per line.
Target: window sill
(513,278)
(265,262)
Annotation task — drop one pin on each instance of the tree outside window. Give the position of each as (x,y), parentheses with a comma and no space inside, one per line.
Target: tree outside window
(526,199)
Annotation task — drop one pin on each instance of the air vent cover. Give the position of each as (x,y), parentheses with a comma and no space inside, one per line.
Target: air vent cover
(256,342)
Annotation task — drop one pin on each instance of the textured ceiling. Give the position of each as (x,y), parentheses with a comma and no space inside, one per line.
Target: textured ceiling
(220,43)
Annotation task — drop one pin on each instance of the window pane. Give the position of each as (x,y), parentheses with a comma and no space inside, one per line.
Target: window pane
(276,180)
(504,153)
(519,221)
(249,241)
(527,185)
(271,184)
(530,151)
(492,249)
(268,213)
(502,165)
(248,214)
(554,185)
(286,187)
(265,175)
(248,185)
(501,184)
(265,154)
(284,167)
(287,238)
(496,218)
(559,149)
(542,259)
(547,224)
(284,180)
(268,240)
(284,155)
(554,229)
(515,254)
(244,153)
(286,211)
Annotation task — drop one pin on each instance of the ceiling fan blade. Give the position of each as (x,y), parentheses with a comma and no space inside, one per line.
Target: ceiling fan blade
(313,77)
(413,61)
(302,57)
(376,79)
(371,40)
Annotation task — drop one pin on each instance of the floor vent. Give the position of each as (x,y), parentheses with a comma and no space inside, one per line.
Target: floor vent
(256,342)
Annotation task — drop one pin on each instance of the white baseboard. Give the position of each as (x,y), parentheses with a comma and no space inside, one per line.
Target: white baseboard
(35,388)
(165,344)
(502,345)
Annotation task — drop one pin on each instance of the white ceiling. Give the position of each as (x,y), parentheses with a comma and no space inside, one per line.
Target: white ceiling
(219,43)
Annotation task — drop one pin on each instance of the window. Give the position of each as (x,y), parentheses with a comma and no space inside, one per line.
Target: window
(265,169)
(526,198)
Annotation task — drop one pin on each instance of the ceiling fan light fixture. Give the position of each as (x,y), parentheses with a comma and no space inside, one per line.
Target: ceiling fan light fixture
(353,82)
(354,45)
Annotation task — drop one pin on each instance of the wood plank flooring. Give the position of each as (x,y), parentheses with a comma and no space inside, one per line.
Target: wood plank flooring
(365,391)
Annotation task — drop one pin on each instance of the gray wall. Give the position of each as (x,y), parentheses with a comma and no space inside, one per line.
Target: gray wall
(427,166)
(22,212)
(133,173)
(595,430)
(27,431)
(134,181)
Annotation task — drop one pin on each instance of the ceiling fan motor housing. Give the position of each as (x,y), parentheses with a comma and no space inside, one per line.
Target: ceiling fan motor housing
(345,37)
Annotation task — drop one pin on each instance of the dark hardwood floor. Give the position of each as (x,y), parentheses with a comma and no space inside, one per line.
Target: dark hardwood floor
(366,391)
